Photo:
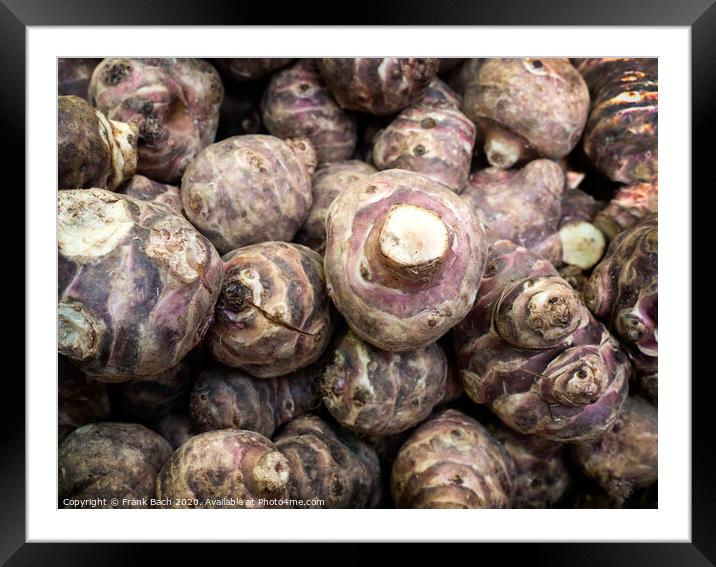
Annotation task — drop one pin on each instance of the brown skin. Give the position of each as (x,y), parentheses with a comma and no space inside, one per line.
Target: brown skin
(328,181)
(329,465)
(527,107)
(273,315)
(73,75)
(161,282)
(249,189)
(649,384)
(297,104)
(623,292)
(249,69)
(382,393)
(435,140)
(630,204)
(225,397)
(532,352)
(542,474)
(626,457)
(156,396)
(81,400)
(111,460)
(446,463)
(522,205)
(176,428)
(379,86)
(212,468)
(174,101)
(145,189)
(92,151)
(583,243)
(621,138)
(398,287)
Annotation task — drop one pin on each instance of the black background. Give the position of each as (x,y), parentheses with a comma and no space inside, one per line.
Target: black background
(15,15)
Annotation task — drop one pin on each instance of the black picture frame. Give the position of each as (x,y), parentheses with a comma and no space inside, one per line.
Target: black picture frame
(698,15)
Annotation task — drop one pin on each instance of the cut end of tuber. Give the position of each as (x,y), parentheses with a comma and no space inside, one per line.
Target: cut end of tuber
(413,241)
(583,244)
(503,149)
(271,472)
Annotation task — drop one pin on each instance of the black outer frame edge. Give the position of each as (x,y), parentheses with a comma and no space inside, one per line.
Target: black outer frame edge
(703,123)
(12,285)
(700,14)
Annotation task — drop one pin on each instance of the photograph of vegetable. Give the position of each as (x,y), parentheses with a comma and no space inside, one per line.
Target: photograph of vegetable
(357,283)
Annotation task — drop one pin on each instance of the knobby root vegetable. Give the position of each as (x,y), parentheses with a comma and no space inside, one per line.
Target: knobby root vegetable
(110,461)
(137,284)
(621,137)
(273,315)
(583,244)
(436,141)
(92,151)
(329,465)
(533,353)
(249,189)
(378,86)
(175,103)
(403,260)
(225,398)
(625,457)
(382,393)
(230,468)
(438,93)
(328,181)
(143,188)
(297,104)
(176,428)
(521,205)
(527,107)
(250,69)
(81,400)
(623,291)
(542,473)
(156,396)
(630,204)
(73,76)
(576,277)
(451,461)
(460,77)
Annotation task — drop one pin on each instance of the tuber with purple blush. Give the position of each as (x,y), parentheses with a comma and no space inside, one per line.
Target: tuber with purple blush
(630,204)
(435,140)
(224,397)
(110,461)
(621,137)
(328,181)
(92,151)
(297,104)
(176,428)
(375,85)
(145,189)
(273,314)
(381,393)
(522,205)
(531,351)
(542,473)
(174,101)
(452,461)
(527,108)
(137,284)
(625,458)
(623,292)
(73,75)
(329,465)
(231,468)
(249,189)
(403,261)
(249,69)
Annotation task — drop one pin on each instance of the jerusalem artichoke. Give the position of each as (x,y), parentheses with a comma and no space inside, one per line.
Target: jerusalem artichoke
(143,188)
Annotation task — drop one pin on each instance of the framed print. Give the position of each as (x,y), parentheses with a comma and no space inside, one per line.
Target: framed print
(353,269)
